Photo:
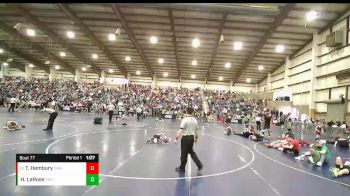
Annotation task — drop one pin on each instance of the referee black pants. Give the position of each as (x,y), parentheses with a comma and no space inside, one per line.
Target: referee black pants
(12,107)
(110,113)
(138,116)
(187,148)
(52,118)
(258,125)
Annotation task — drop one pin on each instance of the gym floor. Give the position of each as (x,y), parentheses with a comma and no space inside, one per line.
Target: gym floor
(232,165)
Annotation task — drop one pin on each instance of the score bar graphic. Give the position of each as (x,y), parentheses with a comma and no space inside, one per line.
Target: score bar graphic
(57,169)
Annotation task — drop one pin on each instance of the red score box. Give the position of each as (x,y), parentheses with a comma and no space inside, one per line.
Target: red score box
(92,168)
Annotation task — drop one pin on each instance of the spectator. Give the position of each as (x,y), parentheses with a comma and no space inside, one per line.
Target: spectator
(340,168)
(292,146)
(322,151)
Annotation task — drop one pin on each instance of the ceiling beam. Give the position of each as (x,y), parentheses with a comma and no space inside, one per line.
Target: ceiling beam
(70,13)
(52,35)
(143,31)
(326,20)
(198,19)
(278,21)
(210,7)
(35,46)
(24,56)
(211,62)
(131,36)
(299,9)
(294,33)
(237,27)
(175,43)
(149,27)
(18,65)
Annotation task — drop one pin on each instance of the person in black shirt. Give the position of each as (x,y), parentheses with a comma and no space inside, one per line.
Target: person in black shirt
(330,123)
(340,141)
(89,106)
(267,120)
(1,101)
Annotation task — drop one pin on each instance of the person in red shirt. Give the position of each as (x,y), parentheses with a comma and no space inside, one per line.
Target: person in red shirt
(278,143)
(292,146)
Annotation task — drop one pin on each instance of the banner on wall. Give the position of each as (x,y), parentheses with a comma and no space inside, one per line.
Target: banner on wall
(116,81)
(284,94)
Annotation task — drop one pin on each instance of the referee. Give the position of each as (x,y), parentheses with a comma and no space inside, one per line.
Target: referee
(13,102)
(53,115)
(189,131)
(110,109)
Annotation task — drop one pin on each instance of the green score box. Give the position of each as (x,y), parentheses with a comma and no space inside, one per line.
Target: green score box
(92,180)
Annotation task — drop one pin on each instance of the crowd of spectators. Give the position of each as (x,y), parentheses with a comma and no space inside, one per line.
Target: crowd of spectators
(214,105)
(93,97)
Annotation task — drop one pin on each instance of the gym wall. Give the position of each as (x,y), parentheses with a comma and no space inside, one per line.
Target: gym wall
(329,62)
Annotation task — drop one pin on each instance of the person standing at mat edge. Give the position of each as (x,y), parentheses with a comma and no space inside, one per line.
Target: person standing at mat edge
(189,132)
(110,109)
(13,102)
(53,115)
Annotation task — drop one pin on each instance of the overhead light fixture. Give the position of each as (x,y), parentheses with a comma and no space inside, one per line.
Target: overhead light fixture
(62,54)
(248,80)
(117,32)
(1,50)
(31,65)
(83,69)
(57,67)
(110,70)
(5,64)
(94,56)
(47,62)
(138,73)
(222,39)
(160,61)
(112,37)
(127,58)
(279,48)
(237,45)
(153,39)
(227,65)
(30,32)
(17,26)
(9,60)
(194,62)
(70,34)
(261,67)
(165,74)
(196,43)
(312,15)
(221,78)
(193,76)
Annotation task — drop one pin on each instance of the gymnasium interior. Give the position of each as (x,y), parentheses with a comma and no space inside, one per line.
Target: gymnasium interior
(122,79)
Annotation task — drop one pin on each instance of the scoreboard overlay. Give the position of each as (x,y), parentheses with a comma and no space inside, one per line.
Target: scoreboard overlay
(57,169)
